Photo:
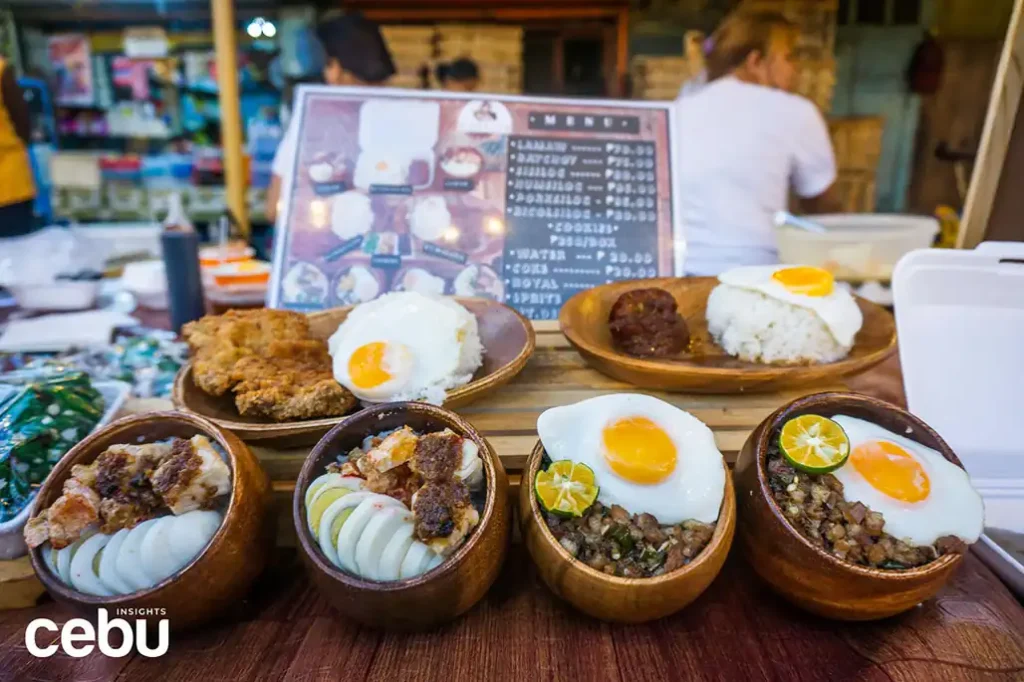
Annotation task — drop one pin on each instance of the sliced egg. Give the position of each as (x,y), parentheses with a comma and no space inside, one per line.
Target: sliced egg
(66,554)
(321,503)
(83,567)
(332,480)
(108,564)
(353,529)
(416,561)
(376,536)
(50,559)
(155,551)
(471,469)
(129,560)
(189,534)
(332,521)
(394,553)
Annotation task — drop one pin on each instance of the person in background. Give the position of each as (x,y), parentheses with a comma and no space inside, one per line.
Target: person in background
(461,75)
(17,189)
(356,54)
(744,142)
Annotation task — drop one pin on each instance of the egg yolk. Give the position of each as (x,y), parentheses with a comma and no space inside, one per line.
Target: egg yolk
(806,281)
(366,365)
(638,450)
(891,470)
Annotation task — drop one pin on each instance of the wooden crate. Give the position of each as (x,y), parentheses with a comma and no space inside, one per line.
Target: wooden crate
(856,190)
(857,141)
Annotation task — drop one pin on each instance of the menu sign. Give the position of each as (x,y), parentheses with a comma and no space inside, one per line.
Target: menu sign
(524,200)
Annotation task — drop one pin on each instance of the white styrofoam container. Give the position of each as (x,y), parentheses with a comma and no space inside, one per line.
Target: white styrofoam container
(960,323)
(12,543)
(857,246)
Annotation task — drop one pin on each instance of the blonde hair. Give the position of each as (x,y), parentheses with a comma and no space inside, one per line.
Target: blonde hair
(743,33)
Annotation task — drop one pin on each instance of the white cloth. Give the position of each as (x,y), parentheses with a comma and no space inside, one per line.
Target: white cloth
(741,147)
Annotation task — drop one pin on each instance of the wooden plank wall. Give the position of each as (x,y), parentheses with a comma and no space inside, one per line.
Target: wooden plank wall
(956,115)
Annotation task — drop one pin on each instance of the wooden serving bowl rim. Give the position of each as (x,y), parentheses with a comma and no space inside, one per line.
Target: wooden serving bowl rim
(805,405)
(313,467)
(842,366)
(726,510)
(271,429)
(62,472)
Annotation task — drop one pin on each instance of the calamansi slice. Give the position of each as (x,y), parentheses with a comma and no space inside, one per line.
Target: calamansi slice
(567,488)
(814,444)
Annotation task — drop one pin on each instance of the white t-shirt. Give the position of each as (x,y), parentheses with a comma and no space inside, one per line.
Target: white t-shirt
(741,147)
(284,157)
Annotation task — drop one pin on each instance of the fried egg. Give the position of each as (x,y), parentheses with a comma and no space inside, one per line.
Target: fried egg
(647,455)
(806,287)
(406,346)
(921,494)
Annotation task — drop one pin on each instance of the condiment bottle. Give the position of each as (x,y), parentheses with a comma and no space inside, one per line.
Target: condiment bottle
(181,263)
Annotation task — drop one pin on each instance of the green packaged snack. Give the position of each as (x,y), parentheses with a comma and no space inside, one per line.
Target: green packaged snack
(38,424)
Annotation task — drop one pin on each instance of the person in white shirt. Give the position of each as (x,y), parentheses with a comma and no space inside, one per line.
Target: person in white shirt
(356,55)
(744,141)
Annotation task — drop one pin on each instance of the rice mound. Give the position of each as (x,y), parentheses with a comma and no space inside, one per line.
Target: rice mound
(757,328)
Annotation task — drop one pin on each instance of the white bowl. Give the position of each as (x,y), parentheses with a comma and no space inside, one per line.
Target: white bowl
(858,246)
(57,295)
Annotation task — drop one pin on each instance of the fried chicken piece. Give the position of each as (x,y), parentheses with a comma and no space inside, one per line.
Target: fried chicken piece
(283,387)
(219,342)
(122,480)
(437,455)
(70,514)
(444,515)
(191,476)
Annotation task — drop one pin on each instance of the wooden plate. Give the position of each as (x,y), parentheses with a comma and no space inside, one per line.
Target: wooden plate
(584,321)
(507,337)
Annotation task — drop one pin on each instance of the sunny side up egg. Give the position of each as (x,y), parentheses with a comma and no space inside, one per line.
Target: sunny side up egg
(921,494)
(405,346)
(648,456)
(807,287)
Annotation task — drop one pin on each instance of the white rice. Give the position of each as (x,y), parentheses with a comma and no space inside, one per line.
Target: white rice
(757,328)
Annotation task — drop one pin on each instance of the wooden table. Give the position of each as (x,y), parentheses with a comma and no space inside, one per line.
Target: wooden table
(738,630)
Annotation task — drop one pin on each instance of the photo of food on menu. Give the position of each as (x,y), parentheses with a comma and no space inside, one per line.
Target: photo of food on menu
(525,202)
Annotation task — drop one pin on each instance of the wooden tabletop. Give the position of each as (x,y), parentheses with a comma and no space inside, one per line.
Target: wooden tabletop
(737,630)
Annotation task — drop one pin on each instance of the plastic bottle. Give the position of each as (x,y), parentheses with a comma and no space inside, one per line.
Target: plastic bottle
(181,263)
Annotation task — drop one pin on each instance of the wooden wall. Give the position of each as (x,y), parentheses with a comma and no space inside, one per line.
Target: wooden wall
(955,114)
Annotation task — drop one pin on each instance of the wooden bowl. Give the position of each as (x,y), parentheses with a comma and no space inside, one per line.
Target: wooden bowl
(805,574)
(437,596)
(608,597)
(508,339)
(708,369)
(214,582)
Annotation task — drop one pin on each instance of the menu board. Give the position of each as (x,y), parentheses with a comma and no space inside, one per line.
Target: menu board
(523,200)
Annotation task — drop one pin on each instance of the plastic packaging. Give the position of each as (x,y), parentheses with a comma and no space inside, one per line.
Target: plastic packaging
(960,321)
(857,247)
(52,269)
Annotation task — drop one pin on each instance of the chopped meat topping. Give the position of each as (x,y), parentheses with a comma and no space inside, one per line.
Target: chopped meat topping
(436,507)
(438,455)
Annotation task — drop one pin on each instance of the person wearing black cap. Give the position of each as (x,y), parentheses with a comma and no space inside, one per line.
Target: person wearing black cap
(461,75)
(356,54)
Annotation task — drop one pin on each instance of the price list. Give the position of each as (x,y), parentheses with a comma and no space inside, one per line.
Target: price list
(579,213)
